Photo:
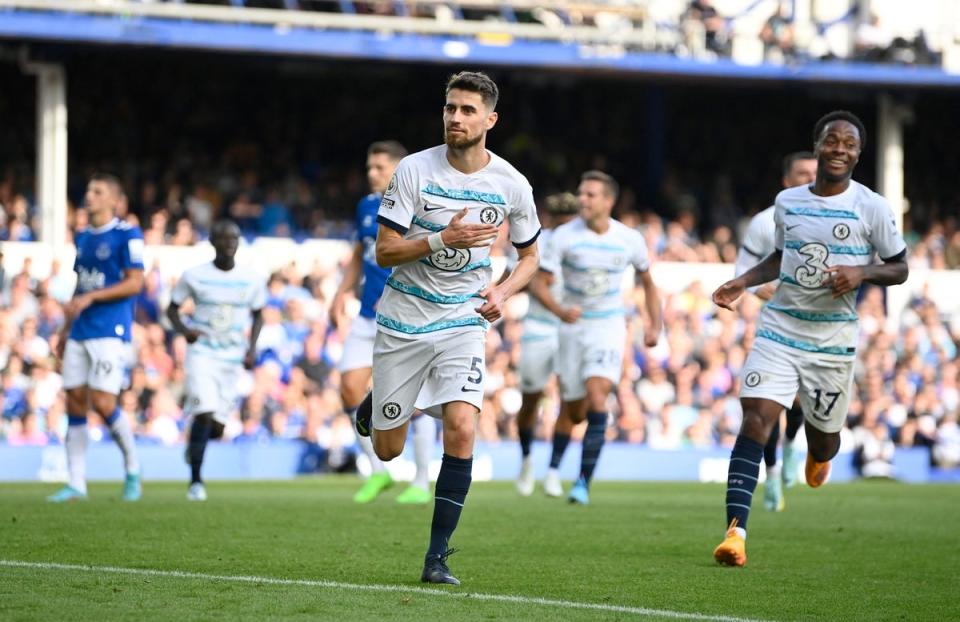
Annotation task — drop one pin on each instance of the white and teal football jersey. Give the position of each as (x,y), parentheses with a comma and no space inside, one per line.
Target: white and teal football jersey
(815,233)
(440,293)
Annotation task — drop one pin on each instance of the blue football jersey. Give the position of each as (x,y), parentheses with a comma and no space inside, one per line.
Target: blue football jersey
(103,255)
(374,277)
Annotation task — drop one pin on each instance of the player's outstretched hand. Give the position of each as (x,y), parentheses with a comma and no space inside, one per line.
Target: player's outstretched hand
(191,335)
(728,293)
(650,338)
(459,234)
(492,309)
(844,279)
(76,305)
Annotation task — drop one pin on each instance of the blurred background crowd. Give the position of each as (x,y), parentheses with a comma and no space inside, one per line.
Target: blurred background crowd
(277,144)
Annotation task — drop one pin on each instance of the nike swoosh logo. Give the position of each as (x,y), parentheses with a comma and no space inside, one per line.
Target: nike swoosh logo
(791,227)
(466,390)
(431,209)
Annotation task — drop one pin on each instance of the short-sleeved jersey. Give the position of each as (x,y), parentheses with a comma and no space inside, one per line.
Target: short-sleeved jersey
(438,294)
(223,300)
(104,254)
(815,233)
(374,277)
(593,265)
(757,242)
(539,323)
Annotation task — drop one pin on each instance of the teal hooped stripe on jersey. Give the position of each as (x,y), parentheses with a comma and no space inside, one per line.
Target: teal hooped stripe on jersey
(596,315)
(574,290)
(568,264)
(413,290)
(542,319)
(835,249)
(463,195)
(599,247)
(483,263)
(803,345)
(409,329)
(820,212)
(529,338)
(429,226)
(811,316)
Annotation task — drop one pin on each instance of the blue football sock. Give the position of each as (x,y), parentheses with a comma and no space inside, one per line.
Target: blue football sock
(453,483)
(560,442)
(742,478)
(593,440)
(526,438)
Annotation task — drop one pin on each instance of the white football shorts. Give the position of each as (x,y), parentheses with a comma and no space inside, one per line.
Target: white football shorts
(538,361)
(211,386)
(358,347)
(590,349)
(96,363)
(777,372)
(425,374)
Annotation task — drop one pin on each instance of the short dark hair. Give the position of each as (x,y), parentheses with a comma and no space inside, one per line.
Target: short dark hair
(222,225)
(562,203)
(790,158)
(610,185)
(840,115)
(394,150)
(476,82)
(111,180)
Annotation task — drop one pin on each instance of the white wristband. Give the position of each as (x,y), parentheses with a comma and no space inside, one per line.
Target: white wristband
(435,240)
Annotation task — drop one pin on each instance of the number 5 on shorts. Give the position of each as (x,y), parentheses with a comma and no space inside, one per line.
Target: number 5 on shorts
(475,367)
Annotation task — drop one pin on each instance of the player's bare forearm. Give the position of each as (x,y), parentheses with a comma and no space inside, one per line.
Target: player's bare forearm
(540,289)
(764,272)
(173,314)
(654,311)
(394,250)
(527,265)
(255,329)
(131,285)
(351,274)
(892,273)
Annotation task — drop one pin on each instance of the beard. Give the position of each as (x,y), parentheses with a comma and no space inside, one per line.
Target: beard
(461,141)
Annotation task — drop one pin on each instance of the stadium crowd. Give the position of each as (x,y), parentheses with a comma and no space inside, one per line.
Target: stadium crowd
(682,393)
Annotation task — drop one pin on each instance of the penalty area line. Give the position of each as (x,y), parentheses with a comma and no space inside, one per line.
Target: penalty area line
(405,589)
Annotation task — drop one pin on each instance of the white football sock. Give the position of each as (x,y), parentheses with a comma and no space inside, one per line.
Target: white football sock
(123,436)
(366,446)
(76,445)
(424,440)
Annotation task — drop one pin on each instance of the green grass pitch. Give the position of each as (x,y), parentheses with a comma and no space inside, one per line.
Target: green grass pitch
(303,550)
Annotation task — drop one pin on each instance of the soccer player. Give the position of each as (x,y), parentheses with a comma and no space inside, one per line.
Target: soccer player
(94,344)
(826,235)
(227,299)
(799,168)
(438,217)
(538,354)
(592,252)
(356,366)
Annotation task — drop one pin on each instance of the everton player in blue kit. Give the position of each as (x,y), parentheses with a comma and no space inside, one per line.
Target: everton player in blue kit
(356,366)
(95,342)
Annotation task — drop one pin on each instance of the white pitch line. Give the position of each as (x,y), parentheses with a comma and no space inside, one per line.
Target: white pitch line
(501,598)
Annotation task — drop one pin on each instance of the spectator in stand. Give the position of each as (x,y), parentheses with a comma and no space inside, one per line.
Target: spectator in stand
(778,36)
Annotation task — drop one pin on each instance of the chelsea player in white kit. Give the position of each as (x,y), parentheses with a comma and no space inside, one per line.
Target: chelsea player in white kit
(109,267)
(540,342)
(439,215)
(227,299)
(826,237)
(799,169)
(592,253)
(356,365)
